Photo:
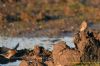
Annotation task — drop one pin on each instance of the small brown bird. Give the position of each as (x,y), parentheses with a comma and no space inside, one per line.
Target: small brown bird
(83,26)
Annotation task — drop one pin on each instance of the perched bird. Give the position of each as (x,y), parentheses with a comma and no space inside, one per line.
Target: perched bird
(9,52)
(83,26)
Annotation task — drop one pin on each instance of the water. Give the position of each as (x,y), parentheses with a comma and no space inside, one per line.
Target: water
(24,42)
(30,42)
(11,64)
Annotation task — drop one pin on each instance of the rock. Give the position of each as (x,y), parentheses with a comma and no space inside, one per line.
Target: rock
(88,45)
(87,50)
(49,63)
(37,58)
(63,55)
(36,50)
(40,51)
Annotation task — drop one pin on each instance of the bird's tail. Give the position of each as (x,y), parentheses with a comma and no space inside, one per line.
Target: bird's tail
(15,48)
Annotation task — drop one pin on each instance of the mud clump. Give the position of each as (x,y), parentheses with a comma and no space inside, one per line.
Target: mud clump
(63,55)
(23,63)
(91,49)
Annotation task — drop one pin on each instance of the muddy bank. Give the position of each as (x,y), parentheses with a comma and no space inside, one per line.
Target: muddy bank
(86,50)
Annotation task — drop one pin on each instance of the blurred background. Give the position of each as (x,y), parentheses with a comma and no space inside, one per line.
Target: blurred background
(46,17)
